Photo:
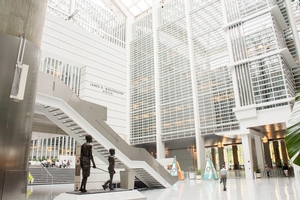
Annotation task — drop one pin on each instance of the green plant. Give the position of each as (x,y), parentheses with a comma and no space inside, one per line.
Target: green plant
(198,171)
(256,169)
(292,133)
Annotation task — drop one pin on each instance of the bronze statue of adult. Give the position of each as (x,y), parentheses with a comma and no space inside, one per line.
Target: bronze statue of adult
(86,156)
(111,169)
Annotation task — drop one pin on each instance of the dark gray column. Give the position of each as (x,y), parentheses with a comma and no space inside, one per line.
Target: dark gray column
(213,156)
(276,154)
(18,17)
(267,154)
(283,152)
(235,157)
(221,156)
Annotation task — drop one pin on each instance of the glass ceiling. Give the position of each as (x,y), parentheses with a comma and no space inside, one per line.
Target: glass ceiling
(136,7)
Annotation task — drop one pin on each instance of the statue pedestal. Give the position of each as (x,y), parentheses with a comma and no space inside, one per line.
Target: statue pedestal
(127,179)
(116,194)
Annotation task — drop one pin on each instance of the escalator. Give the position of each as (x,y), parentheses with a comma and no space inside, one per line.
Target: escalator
(79,118)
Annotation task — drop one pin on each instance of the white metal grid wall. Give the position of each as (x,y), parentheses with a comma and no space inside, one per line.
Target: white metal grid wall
(142,26)
(257,37)
(288,78)
(216,100)
(215,88)
(262,35)
(92,18)
(242,8)
(245,85)
(67,73)
(142,91)
(290,40)
(253,40)
(171,11)
(196,4)
(176,98)
(268,79)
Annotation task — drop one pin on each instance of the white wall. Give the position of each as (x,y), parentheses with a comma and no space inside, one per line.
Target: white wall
(103,63)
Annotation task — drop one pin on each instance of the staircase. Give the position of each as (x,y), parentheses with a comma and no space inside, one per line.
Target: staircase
(51,175)
(79,118)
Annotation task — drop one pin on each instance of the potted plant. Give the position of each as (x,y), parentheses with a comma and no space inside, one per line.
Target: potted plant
(257,172)
(198,174)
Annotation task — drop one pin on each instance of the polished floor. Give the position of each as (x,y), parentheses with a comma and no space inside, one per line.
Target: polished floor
(261,189)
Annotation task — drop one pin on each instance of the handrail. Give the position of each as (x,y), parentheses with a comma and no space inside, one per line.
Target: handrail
(48,173)
(91,119)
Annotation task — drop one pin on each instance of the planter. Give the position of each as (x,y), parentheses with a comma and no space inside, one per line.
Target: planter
(199,177)
(192,175)
(258,175)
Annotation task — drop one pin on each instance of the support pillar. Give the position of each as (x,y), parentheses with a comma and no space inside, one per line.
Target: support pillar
(37,148)
(259,152)
(247,152)
(283,152)
(268,154)
(199,139)
(201,160)
(18,75)
(213,156)
(276,154)
(127,179)
(160,145)
(221,156)
(235,157)
(42,148)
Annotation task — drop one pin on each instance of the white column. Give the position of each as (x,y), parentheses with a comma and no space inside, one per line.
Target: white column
(70,145)
(62,145)
(201,160)
(46,149)
(72,6)
(50,147)
(66,145)
(58,147)
(259,152)
(74,148)
(225,151)
(247,153)
(199,139)
(231,60)
(42,148)
(129,37)
(32,149)
(160,146)
(54,148)
(37,148)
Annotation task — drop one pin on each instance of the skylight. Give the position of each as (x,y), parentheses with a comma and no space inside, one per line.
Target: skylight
(136,7)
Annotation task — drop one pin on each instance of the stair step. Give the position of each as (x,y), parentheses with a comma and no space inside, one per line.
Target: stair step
(60,175)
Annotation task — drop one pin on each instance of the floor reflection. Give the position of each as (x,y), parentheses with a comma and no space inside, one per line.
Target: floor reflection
(237,189)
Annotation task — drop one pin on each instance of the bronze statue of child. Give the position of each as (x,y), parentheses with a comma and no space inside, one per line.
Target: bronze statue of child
(111,169)
(86,157)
